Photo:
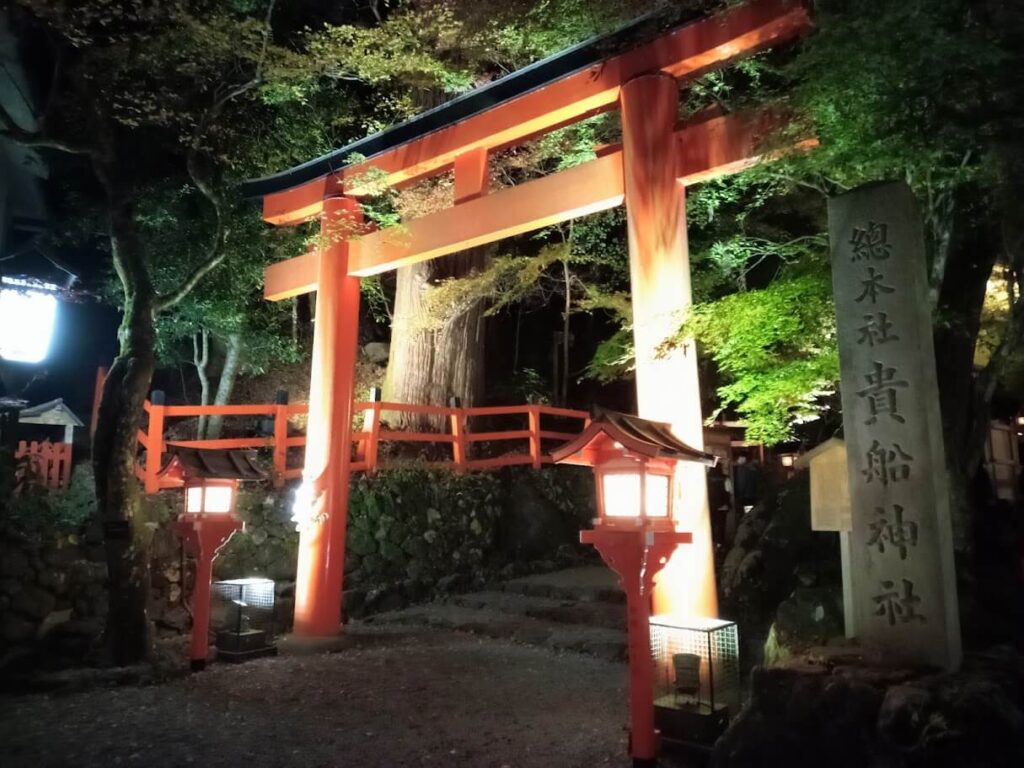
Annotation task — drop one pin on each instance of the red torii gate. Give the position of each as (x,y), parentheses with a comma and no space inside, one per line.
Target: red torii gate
(648,171)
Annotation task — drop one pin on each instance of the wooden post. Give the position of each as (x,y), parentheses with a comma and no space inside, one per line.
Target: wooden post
(155,440)
(65,466)
(534,414)
(458,420)
(472,175)
(667,385)
(325,475)
(371,424)
(280,437)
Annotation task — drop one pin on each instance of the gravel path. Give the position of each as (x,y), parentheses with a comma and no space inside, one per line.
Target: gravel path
(397,698)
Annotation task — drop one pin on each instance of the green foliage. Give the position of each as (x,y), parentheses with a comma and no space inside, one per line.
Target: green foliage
(896,89)
(230,300)
(41,511)
(411,523)
(269,544)
(776,347)
(524,386)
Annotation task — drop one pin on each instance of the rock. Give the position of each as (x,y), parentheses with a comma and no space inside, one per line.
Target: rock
(55,581)
(811,616)
(352,602)
(14,563)
(53,620)
(14,629)
(531,526)
(381,600)
(903,715)
(10,587)
(377,352)
(452,582)
(174,593)
(35,602)
(176,618)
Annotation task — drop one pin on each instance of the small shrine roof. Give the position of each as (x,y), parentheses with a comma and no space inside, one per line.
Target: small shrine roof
(53,412)
(653,439)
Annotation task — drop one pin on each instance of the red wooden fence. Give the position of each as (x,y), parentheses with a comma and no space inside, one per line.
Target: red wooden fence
(47,464)
(366,442)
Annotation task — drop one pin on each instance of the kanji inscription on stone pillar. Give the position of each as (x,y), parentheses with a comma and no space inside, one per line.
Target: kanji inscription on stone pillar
(902,572)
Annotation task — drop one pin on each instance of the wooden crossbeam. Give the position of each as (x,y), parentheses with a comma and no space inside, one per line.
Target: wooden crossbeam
(709,149)
(688,52)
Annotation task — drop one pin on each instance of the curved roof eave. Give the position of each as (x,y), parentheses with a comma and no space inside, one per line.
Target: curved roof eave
(519,83)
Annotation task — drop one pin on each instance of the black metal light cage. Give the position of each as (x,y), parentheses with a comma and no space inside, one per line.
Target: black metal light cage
(240,605)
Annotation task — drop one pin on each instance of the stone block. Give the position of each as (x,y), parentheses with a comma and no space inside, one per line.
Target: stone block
(14,563)
(34,602)
(15,629)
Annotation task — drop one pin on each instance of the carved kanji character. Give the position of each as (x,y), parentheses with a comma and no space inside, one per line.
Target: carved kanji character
(888,465)
(898,533)
(873,286)
(876,330)
(881,393)
(893,605)
(871,242)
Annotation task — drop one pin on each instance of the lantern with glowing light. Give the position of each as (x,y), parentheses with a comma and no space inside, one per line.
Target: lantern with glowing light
(210,479)
(634,461)
(28,314)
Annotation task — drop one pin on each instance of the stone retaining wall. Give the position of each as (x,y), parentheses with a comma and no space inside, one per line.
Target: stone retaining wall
(52,598)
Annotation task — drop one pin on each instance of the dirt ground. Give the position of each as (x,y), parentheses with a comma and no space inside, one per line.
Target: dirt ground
(397,698)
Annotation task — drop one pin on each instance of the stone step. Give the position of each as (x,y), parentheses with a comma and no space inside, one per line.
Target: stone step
(591,583)
(492,622)
(563,611)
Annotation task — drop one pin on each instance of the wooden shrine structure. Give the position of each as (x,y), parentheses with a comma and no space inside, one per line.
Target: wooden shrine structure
(636,70)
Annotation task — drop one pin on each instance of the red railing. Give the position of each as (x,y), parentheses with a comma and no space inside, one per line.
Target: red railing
(47,464)
(366,442)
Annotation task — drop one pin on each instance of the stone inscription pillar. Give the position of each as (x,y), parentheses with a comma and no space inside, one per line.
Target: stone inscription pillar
(901,553)
(666,384)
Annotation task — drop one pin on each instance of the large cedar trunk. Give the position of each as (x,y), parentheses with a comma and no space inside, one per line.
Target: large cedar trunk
(430,366)
(127,537)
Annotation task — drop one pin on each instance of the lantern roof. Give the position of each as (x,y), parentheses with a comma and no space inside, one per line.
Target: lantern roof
(651,439)
(211,464)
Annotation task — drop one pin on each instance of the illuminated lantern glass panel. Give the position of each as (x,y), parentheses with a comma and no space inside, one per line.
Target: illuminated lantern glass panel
(633,491)
(26,325)
(210,498)
(656,495)
(622,494)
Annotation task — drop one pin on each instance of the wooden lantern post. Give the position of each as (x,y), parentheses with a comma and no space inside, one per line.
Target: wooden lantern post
(634,462)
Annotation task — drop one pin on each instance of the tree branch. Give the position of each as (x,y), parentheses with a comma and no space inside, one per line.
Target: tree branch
(29,139)
(216,252)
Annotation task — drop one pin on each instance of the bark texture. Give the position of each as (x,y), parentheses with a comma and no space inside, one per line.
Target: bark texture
(428,367)
(226,383)
(118,495)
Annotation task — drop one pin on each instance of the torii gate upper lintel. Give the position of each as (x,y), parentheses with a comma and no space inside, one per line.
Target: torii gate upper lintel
(648,171)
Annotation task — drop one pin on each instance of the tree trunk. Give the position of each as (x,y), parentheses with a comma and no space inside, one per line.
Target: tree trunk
(429,366)
(228,375)
(201,341)
(126,536)
(958,319)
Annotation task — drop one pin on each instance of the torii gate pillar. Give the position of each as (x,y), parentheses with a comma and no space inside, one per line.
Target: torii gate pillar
(325,476)
(666,384)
